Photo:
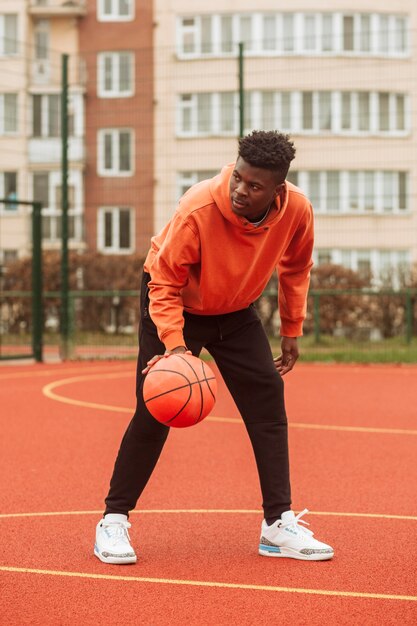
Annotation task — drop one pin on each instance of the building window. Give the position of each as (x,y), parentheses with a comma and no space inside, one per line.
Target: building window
(377,265)
(293,33)
(115,10)
(185,180)
(41,33)
(115,230)
(348,33)
(364,34)
(47,115)
(47,191)
(287,32)
(370,191)
(307,103)
(310,33)
(8,256)
(8,35)
(8,191)
(309,112)
(206,114)
(115,76)
(8,113)
(115,152)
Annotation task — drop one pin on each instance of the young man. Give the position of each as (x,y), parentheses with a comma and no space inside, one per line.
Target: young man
(202,274)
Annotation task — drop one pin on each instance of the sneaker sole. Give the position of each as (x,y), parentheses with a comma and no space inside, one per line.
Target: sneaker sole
(293,554)
(114,560)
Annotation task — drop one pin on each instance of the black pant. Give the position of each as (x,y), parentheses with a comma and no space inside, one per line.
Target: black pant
(239,345)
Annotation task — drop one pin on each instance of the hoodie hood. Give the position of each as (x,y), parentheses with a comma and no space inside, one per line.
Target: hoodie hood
(220,191)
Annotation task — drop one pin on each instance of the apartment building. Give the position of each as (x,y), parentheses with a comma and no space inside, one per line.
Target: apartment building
(154,107)
(110,123)
(339,77)
(34,34)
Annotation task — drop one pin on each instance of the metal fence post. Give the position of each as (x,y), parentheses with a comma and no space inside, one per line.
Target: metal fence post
(37,312)
(408,317)
(316,315)
(64,211)
(241,92)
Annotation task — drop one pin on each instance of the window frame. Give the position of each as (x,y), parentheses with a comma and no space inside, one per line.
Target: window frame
(291,104)
(187,178)
(41,50)
(101,157)
(3,37)
(191,104)
(114,16)
(350,258)
(281,22)
(400,191)
(115,56)
(5,208)
(53,212)
(3,131)
(45,115)
(115,212)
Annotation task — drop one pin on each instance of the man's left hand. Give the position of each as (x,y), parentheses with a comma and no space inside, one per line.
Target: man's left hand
(289,355)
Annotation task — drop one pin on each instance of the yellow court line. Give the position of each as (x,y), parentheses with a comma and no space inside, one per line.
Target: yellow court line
(46,372)
(47,390)
(203,583)
(207,511)
(357,429)
(49,393)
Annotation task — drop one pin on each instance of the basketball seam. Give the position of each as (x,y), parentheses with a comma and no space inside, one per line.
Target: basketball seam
(206,379)
(199,384)
(189,384)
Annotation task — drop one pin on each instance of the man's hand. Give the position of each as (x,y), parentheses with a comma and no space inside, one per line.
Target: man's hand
(289,355)
(158,357)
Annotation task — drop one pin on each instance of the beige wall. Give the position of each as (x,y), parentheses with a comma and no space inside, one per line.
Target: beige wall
(353,73)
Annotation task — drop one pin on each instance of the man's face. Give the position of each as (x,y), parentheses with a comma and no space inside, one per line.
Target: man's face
(252,189)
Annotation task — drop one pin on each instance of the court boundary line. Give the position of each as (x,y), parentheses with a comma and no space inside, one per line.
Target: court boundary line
(48,372)
(208,511)
(212,584)
(48,391)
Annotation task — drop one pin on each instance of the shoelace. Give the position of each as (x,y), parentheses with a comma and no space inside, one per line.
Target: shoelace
(117,532)
(295,523)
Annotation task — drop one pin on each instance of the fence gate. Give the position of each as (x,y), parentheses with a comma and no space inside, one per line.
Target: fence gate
(21,315)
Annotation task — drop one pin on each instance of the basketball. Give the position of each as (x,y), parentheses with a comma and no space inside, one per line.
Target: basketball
(180,390)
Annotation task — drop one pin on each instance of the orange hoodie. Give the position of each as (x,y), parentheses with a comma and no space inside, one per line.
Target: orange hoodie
(209,261)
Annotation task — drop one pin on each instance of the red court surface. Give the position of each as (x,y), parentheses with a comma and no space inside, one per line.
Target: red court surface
(353,444)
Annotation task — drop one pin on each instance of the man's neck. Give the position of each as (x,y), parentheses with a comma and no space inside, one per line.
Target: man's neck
(259,218)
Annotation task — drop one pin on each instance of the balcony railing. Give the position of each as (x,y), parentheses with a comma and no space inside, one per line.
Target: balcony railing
(48,72)
(57,8)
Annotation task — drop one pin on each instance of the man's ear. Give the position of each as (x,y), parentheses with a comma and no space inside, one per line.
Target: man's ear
(278,189)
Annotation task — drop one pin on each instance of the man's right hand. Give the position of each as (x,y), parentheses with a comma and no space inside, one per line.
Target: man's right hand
(158,357)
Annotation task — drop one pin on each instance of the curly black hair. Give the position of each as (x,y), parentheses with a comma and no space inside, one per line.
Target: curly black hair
(269,150)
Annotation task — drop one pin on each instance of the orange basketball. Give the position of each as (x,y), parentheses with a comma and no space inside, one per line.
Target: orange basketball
(180,390)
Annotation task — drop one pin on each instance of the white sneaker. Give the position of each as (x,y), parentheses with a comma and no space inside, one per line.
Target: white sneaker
(113,542)
(287,538)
